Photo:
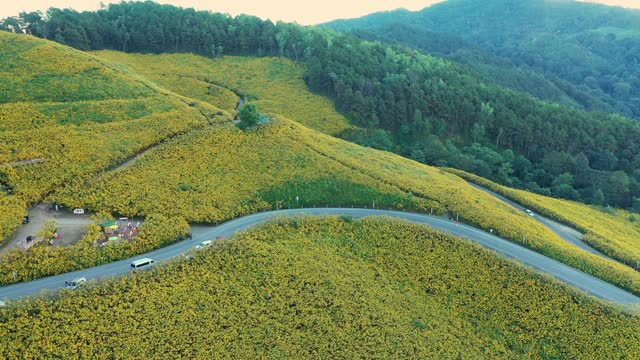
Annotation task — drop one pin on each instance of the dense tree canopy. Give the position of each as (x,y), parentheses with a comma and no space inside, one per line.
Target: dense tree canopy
(489,66)
(420,106)
(588,52)
(249,116)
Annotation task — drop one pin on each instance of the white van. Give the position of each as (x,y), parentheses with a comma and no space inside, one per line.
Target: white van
(142,264)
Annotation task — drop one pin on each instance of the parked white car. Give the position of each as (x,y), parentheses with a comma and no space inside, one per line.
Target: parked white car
(78,211)
(75,283)
(204,244)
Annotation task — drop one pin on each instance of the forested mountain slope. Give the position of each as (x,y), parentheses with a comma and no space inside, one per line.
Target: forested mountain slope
(491,67)
(594,49)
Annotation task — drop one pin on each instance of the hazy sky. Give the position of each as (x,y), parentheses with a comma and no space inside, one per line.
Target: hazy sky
(300,11)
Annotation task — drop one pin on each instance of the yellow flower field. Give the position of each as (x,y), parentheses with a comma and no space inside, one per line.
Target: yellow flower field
(275,85)
(213,172)
(614,232)
(222,172)
(327,288)
(66,115)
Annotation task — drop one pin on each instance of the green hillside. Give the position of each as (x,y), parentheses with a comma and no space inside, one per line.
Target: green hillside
(590,48)
(430,109)
(272,167)
(216,173)
(275,85)
(65,114)
(492,68)
(331,288)
(562,51)
(151,136)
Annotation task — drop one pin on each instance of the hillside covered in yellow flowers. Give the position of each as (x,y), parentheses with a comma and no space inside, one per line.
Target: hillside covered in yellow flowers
(300,288)
(274,85)
(227,173)
(328,288)
(615,232)
(204,169)
(66,115)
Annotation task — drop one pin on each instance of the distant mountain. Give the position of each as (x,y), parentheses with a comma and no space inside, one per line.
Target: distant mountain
(574,53)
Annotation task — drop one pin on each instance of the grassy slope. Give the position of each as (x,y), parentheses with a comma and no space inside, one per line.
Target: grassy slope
(222,173)
(391,290)
(370,299)
(76,113)
(614,233)
(275,85)
(225,173)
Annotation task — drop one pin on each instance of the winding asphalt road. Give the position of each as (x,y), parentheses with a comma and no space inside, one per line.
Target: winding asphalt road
(564,273)
(568,234)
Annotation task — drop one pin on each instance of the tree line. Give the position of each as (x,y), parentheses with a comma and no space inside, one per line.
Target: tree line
(420,106)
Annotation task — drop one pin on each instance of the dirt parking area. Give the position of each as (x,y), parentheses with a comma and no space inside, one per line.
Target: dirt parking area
(71,227)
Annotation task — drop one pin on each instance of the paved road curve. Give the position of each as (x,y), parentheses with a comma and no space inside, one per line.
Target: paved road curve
(564,273)
(568,234)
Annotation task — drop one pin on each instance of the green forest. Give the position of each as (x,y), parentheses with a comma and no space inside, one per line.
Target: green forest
(566,51)
(424,107)
(490,67)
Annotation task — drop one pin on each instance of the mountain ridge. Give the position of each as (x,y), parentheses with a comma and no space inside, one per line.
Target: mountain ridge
(501,27)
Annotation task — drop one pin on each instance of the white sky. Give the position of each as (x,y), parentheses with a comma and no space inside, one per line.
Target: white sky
(304,12)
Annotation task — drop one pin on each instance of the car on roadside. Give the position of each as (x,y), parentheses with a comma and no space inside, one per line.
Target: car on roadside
(529,212)
(78,211)
(25,220)
(75,283)
(204,244)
